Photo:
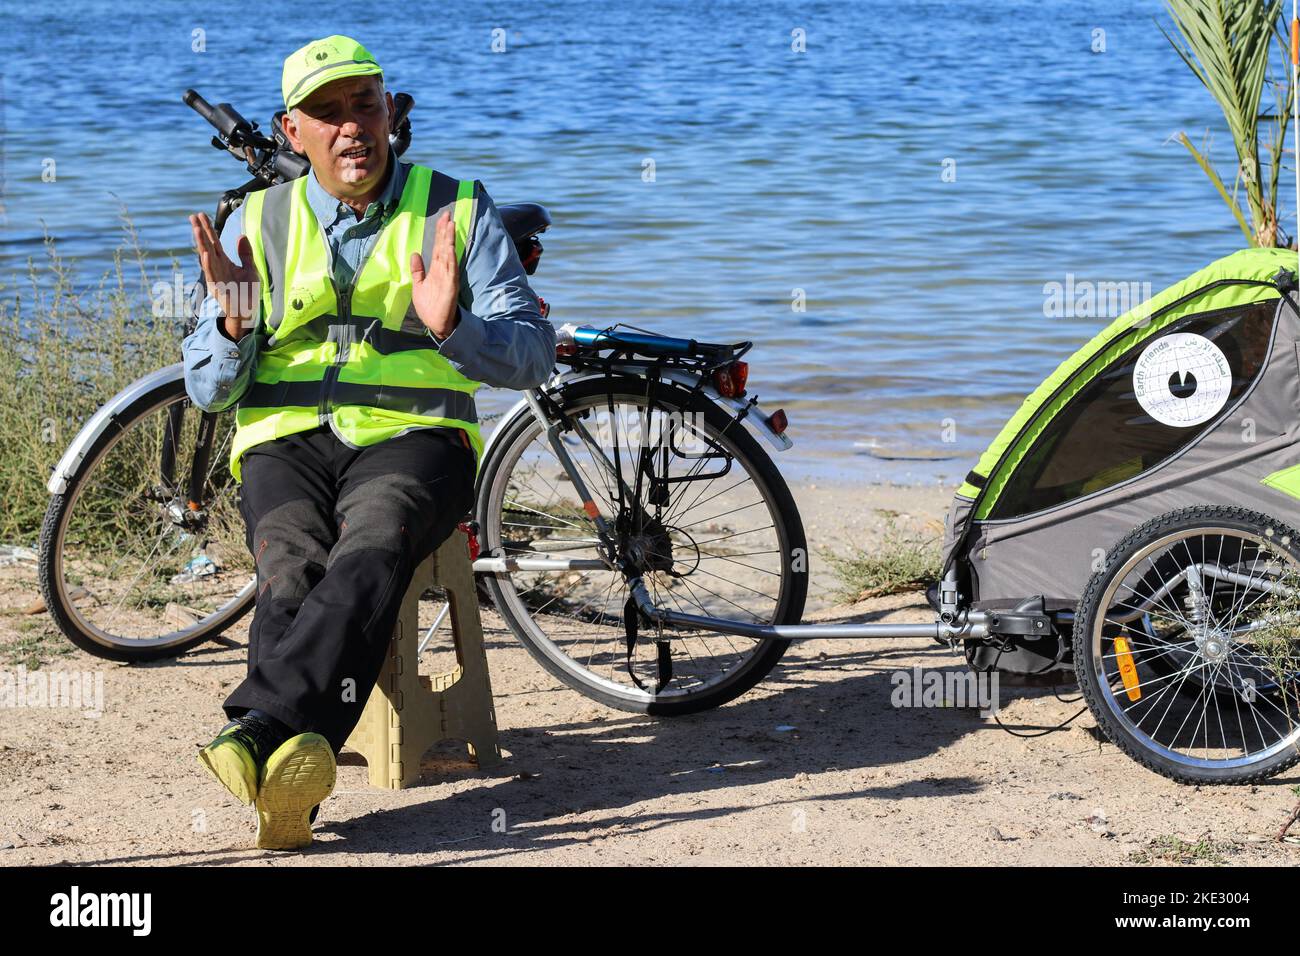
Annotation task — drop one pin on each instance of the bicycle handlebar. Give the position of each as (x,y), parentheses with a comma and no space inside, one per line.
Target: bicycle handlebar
(233,128)
(272,159)
(194,101)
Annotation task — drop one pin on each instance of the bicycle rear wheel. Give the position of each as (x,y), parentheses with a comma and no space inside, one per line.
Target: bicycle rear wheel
(727,543)
(130,571)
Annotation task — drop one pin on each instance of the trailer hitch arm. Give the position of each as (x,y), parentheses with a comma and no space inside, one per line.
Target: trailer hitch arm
(968,624)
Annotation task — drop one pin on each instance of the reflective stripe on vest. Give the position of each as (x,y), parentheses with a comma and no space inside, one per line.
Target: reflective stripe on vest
(358,359)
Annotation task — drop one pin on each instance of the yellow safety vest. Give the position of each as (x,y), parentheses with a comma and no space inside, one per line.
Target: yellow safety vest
(359,359)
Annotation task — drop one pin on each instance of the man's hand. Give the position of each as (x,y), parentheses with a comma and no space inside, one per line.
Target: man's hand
(235,287)
(434,293)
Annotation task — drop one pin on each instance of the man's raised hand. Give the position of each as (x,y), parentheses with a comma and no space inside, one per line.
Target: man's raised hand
(434,293)
(235,287)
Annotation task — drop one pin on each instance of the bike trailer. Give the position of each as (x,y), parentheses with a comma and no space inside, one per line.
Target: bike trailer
(1190,399)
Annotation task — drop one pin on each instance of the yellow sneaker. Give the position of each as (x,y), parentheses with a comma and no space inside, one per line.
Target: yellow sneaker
(296,778)
(236,755)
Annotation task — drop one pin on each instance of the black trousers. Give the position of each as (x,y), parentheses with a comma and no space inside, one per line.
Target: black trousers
(336,534)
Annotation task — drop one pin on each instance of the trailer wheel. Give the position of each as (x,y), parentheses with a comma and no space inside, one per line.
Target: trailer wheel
(1187,645)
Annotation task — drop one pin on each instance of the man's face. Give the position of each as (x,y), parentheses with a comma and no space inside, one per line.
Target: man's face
(343,129)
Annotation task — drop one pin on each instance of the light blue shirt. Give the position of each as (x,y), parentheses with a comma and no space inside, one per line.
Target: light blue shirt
(508,344)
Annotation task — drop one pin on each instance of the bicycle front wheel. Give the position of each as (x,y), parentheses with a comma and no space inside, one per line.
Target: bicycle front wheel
(130,568)
(694,502)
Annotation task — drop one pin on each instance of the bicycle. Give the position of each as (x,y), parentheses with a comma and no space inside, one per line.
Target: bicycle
(637,456)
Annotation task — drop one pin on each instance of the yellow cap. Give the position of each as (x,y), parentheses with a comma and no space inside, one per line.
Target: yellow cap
(323,61)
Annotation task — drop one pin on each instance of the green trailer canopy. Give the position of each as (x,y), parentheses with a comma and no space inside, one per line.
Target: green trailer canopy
(1241,278)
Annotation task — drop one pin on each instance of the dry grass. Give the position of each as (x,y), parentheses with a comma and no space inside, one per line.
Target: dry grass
(903,561)
(68,350)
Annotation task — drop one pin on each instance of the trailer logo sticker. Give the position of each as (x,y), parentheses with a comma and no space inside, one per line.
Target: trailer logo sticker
(1182,379)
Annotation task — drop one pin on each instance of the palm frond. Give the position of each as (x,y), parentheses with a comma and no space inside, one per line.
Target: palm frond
(1227,46)
(1218,184)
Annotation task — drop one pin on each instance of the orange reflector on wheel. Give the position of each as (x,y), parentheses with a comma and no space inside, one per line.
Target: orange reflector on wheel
(1127,669)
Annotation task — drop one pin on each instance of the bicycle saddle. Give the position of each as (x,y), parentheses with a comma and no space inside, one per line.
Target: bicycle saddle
(524,219)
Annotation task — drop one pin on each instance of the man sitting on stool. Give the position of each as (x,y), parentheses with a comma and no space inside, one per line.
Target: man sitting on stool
(354,362)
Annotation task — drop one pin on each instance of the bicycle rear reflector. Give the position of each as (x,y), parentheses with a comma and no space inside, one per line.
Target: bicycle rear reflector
(730,379)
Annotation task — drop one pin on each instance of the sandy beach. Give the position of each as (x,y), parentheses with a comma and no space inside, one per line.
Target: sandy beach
(815,766)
